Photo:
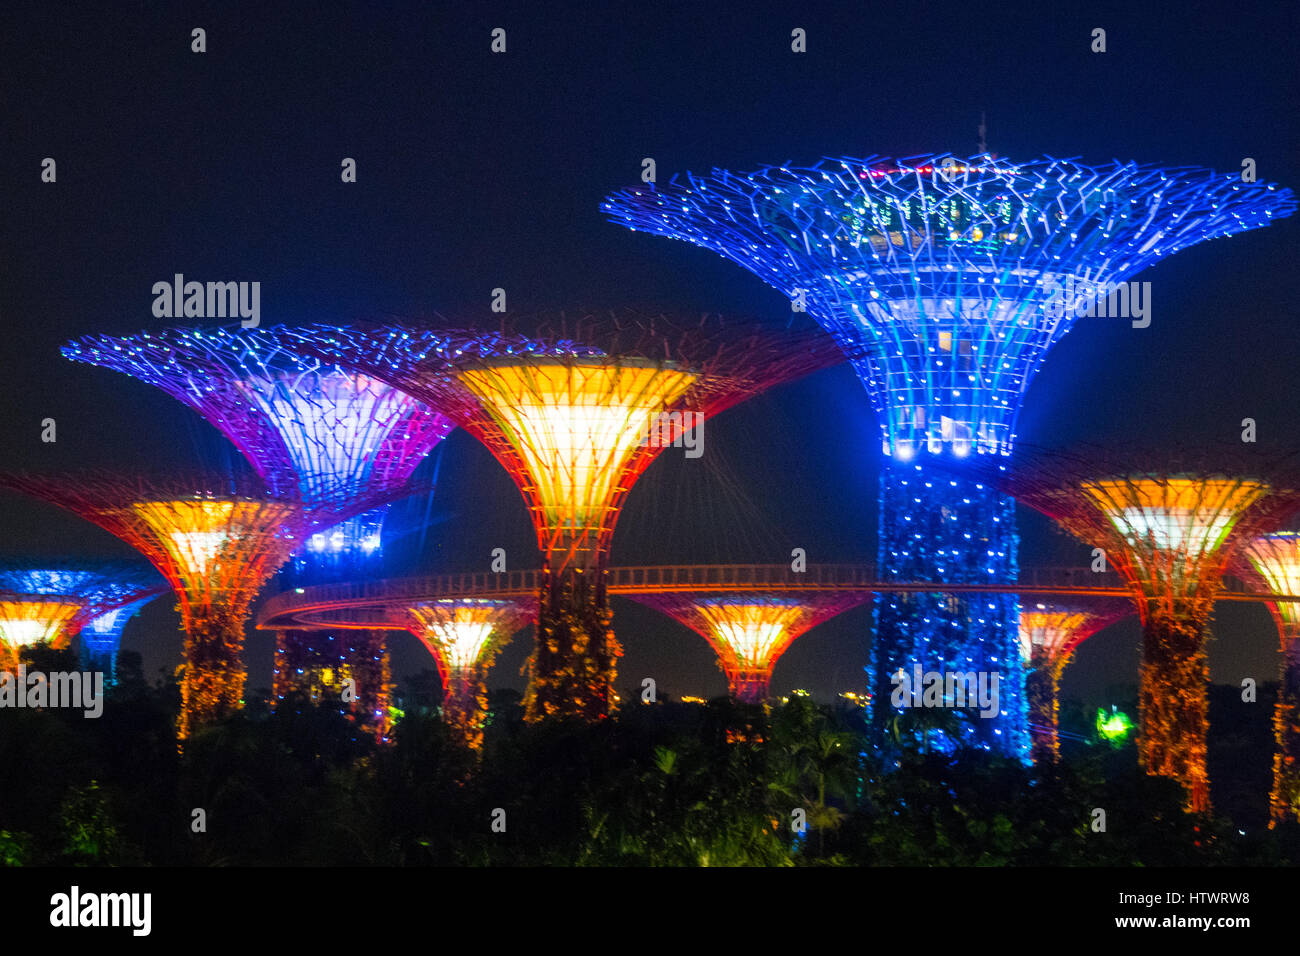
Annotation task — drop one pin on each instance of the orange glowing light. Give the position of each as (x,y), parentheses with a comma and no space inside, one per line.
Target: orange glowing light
(458,632)
(750,630)
(23,623)
(464,636)
(1179,514)
(753,635)
(216,545)
(1047,634)
(576,426)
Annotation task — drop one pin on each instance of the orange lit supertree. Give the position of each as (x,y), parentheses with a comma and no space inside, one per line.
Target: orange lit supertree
(309,428)
(750,630)
(464,636)
(27,619)
(1273,560)
(215,541)
(1171,530)
(575,411)
(1049,634)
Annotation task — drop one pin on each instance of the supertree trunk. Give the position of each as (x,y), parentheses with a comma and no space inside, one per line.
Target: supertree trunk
(750,686)
(1284,801)
(213,676)
(1042,694)
(101,660)
(575,660)
(314,663)
(464,707)
(936,526)
(1173,703)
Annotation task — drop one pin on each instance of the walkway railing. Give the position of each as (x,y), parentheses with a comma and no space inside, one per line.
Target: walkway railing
(371,603)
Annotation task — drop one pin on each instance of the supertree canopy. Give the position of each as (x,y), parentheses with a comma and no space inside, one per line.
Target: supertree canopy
(749,631)
(101,637)
(575,411)
(107,595)
(27,619)
(464,636)
(309,428)
(1171,533)
(954,277)
(216,543)
(1274,560)
(1049,634)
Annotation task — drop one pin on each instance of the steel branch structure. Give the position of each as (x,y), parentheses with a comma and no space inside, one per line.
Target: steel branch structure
(956,277)
(107,596)
(576,410)
(750,631)
(216,543)
(310,429)
(1274,560)
(1171,532)
(1049,635)
(464,636)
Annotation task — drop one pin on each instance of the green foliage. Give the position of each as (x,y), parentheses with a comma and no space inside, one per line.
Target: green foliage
(14,848)
(666,784)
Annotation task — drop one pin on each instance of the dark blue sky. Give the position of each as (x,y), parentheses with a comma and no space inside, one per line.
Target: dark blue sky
(478,171)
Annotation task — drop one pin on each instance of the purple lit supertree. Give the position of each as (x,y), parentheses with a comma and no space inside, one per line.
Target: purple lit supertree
(956,277)
(310,428)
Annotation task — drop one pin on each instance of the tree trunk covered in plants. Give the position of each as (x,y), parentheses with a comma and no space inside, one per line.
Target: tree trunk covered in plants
(576,655)
(1174,699)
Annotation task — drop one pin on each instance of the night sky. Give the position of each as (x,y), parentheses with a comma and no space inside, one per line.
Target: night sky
(478,171)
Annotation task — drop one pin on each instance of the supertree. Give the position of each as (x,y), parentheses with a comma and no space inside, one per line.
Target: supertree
(955,277)
(464,636)
(108,595)
(749,631)
(1274,560)
(215,542)
(27,619)
(1171,531)
(100,638)
(1049,635)
(575,411)
(312,429)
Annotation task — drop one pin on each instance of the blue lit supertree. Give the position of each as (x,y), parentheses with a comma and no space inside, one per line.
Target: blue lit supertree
(954,277)
(106,596)
(312,430)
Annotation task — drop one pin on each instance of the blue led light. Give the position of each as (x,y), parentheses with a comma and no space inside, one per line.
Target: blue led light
(948,281)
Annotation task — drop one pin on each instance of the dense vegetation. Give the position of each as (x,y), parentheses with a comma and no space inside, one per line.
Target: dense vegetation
(663,784)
